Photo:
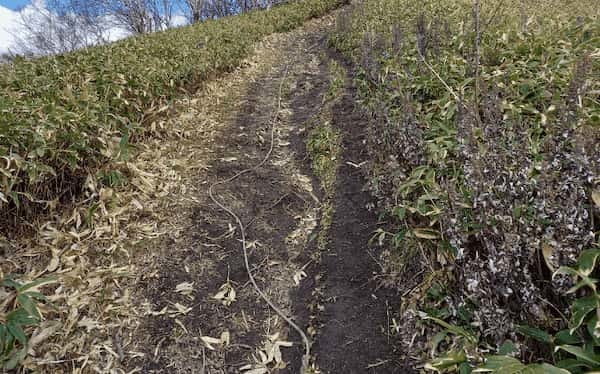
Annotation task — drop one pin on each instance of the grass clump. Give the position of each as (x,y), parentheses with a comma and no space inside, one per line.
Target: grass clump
(324,148)
(19,312)
(324,143)
(64,116)
(483,142)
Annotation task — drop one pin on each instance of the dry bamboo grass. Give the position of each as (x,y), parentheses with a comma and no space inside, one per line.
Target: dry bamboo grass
(99,258)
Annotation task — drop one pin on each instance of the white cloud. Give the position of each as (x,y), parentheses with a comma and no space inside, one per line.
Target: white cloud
(11,25)
(12,31)
(9,22)
(179,20)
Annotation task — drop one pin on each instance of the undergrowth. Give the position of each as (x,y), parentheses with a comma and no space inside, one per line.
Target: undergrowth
(75,130)
(483,142)
(19,310)
(324,148)
(63,117)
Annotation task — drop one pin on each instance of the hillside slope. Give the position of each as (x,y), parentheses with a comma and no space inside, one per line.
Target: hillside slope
(390,187)
(66,118)
(484,157)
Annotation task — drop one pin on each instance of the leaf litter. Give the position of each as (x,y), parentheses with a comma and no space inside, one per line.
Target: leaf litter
(97,249)
(101,250)
(207,246)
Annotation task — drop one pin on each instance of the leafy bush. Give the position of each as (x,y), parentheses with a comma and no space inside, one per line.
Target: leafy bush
(18,312)
(575,349)
(63,116)
(483,147)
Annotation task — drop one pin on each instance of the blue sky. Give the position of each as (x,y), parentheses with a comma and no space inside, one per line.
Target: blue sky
(13,4)
(17,4)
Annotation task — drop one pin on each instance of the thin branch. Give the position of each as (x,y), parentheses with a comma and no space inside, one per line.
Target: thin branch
(449,89)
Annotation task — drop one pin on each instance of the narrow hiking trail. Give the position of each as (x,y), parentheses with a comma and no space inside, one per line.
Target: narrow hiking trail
(307,238)
(357,316)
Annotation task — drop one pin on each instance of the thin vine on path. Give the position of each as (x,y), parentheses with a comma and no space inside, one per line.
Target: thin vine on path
(230,211)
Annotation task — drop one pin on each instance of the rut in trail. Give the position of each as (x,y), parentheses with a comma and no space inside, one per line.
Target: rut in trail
(216,323)
(354,319)
(354,337)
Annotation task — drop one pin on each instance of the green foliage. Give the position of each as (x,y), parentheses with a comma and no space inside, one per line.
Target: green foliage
(577,349)
(337,78)
(18,311)
(323,145)
(113,178)
(457,360)
(61,116)
(324,141)
(582,340)
(534,69)
(464,130)
(510,365)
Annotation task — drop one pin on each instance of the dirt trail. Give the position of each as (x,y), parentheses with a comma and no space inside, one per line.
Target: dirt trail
(201,314)
(356,319)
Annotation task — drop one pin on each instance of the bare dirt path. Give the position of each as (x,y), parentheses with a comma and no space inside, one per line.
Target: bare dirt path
(199,311)
(356,320)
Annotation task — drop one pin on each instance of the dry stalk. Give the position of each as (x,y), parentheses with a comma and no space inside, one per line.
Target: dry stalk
(450,90)
(477,18)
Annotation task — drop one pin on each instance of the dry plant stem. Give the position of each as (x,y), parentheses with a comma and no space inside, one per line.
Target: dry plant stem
(422,250)
(450,90)
(565,319)
(377,364)
(523,17)
(493,16)
(229,210)
(477,16)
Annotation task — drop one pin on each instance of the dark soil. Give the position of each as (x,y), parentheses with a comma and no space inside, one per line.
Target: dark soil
(269,204)
(356,319)
(352,335)
(352,329)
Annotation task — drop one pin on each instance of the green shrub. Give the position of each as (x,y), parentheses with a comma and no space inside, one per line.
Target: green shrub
(576,349)
(484,153)
(63,116)
(18,312)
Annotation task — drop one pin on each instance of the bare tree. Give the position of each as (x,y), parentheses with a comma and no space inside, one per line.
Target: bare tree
(58,26)
(135,15)
(195,9)
(162,11)
(198,10)
(141,16)
(219,8)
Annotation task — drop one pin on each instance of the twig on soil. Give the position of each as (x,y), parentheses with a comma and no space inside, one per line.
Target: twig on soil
(203,368)
(376,261)
(387,312)
(406,293)
(54,362)
(371,366)
(256,268)
(157,348)
(306,357)
(118,347)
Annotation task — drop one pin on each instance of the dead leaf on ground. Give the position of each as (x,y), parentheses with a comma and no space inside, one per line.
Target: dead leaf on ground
(226,294)
(222,341)
(596,198)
